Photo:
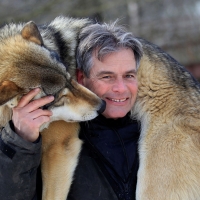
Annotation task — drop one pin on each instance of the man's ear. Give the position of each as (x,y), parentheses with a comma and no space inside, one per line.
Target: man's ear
(8,90)
(80,77)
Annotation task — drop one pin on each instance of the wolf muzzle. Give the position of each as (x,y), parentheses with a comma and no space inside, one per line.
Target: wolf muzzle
(102,108)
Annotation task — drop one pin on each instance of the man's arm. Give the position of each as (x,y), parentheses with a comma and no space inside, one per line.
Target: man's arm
(20,148)
(19,161)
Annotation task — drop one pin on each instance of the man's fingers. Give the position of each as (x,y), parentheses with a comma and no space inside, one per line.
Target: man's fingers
(33,105)
(28,116)
(28,97)
(41,120)
(38,113)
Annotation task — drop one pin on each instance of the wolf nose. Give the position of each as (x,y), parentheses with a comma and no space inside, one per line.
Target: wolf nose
(102,108)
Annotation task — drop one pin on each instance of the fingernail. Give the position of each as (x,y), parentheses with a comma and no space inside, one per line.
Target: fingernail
(51,97)
(37,89)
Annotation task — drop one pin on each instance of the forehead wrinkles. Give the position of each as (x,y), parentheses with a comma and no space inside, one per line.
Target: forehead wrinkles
(113,73)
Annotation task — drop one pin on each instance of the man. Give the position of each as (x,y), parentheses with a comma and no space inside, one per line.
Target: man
(107,59)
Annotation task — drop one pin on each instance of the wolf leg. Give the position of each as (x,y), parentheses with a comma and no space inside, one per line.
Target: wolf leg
(59,159)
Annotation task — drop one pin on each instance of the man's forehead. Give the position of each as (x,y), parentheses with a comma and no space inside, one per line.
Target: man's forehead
(119,62)
(102,72)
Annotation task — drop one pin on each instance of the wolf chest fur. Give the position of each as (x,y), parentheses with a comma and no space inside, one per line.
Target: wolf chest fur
(169,110)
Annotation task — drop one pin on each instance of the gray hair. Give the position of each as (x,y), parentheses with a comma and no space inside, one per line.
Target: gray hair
(105,39)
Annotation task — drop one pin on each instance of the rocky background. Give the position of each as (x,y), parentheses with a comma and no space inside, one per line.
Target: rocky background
(173,25)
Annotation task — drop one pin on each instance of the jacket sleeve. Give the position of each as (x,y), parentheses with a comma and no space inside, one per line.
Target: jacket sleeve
(19,161)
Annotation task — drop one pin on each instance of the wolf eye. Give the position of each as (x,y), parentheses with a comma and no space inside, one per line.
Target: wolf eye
(54,55)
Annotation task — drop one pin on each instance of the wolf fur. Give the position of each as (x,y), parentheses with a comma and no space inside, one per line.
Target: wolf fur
(168,106)
(37,56)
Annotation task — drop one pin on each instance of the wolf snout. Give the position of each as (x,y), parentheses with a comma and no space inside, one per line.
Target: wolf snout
(102,107)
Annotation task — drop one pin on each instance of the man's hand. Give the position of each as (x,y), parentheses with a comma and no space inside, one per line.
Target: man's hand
(28,116)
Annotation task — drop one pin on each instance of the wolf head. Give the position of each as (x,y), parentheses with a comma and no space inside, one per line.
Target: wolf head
(25,63)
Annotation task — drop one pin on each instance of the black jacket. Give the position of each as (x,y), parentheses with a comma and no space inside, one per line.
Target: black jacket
(19,161)
(107,143)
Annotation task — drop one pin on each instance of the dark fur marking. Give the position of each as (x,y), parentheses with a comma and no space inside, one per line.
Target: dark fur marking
(182,80)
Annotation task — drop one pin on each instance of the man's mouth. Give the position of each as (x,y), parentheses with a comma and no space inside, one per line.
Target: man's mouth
(118,100)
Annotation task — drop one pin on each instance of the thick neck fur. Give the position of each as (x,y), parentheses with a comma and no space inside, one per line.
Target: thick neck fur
(164,88)
(6,114)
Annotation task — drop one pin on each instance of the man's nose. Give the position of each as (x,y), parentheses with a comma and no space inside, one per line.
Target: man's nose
(119,86)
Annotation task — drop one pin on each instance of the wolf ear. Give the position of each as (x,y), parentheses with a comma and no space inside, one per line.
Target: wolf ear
(30,32)
(8,90)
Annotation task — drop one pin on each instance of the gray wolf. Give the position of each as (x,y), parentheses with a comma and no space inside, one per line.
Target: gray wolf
(44,56)
(169,110)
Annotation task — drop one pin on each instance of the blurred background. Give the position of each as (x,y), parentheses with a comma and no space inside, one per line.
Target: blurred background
(172,25)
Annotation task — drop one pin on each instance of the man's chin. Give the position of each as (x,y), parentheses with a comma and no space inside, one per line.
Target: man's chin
(114,115)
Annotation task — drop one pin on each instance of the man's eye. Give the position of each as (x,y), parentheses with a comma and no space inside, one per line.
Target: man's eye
(130,76)
(106,77)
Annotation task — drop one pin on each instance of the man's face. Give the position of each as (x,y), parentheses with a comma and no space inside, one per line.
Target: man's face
(114,80)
